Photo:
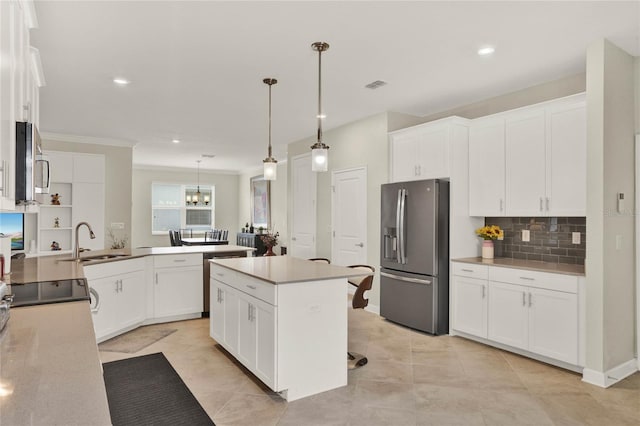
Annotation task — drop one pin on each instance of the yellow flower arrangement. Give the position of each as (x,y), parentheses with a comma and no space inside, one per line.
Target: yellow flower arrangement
(490,232)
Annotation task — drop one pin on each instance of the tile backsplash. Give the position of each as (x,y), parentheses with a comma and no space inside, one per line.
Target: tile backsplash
(550,238)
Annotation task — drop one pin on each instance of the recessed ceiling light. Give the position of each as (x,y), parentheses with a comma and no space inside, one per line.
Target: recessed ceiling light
(488,50)
(176,141)
(208,155)
(121,81)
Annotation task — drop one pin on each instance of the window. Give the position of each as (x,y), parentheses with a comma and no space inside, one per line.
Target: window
(175,206)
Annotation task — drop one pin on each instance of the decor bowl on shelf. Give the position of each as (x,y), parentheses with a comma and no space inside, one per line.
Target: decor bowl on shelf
(488,234)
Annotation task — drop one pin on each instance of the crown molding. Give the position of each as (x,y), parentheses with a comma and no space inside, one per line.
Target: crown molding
(61,137)
(151,167)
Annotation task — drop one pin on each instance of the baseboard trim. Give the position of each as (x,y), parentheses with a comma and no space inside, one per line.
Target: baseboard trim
(374,309)
(612,376)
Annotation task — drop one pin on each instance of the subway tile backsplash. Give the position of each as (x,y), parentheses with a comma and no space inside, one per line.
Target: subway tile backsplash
(550,238)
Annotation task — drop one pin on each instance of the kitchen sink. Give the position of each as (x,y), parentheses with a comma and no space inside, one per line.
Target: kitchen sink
(97,257)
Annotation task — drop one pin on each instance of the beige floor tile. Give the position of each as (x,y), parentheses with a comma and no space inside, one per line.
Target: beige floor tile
(386,395)
(450,418)
(385,371)
(245,409)
(379,416)
(436,398)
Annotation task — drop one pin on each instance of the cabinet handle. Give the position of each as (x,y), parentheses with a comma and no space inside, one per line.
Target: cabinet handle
(524,299)
(501,206)
(419,170)
(467,270)
(527,278)
(547,199)
(541,203)
(484,291)
(530,300)
(218,295)
(252,287)
(96,295)
(253,313)
(156,278)
(249,311)
(117,286)
(179,260)
(4,186)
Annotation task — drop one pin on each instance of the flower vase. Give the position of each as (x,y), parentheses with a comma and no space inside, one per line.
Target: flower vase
(269,251)
(487,249)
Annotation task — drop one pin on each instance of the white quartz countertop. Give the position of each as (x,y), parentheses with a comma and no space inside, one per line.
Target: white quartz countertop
(50,372)
(286,269)
(531,265)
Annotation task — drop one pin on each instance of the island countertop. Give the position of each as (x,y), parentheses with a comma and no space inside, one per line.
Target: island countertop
(286,269)
(58,267)
(531,265)
(50,372)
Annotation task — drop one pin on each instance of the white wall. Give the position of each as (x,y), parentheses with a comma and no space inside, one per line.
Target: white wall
(610,168)
(226,201)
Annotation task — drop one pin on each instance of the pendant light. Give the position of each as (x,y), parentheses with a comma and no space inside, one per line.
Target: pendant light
(319,151)
(196,197)
(270,163)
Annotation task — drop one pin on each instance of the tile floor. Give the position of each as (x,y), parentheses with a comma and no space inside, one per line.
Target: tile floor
(412,379)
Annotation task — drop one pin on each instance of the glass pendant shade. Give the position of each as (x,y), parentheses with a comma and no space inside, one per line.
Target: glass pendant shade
(319,159)
(270,169)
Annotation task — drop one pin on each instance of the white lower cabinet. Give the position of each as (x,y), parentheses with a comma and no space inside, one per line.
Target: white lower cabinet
(177,285)
(246,327)
(536,312)
(118,296)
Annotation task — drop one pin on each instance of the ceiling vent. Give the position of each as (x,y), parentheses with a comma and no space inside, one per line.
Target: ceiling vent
(208,155)
(376,84)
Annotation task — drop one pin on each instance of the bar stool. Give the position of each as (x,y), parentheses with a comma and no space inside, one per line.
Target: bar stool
(362,284)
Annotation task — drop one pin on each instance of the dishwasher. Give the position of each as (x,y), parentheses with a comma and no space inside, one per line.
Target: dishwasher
(206,268)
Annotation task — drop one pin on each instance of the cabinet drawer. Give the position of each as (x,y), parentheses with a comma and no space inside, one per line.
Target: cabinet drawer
(470,270)
(257,288)
(537,279)
(173,260)
(222,274)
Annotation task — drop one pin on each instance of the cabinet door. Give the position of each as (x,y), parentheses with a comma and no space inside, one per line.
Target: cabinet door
(508,314)
(88,206)
(553,324)
(486,168)
(265,319)
(567,161)
(132,299)
(470,306)
(404,153)
(433,153)
(177,291)
(217,311)
(246,332)
(525,164)
(105,307)
(61,166)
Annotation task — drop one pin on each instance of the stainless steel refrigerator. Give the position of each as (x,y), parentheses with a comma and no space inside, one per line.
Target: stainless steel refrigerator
(414,255)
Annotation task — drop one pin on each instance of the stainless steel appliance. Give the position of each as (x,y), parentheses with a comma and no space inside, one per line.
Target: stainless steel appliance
(5,304)
(414,258)
(32,167)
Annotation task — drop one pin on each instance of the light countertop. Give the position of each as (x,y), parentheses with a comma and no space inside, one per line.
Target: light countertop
(50,372)
(52,268)
(286,269)
(532,265)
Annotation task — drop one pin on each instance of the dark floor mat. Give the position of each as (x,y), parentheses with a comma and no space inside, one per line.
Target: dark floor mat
(146,390)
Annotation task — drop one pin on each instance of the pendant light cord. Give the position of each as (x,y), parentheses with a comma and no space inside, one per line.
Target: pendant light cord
(270,121)
(319,95)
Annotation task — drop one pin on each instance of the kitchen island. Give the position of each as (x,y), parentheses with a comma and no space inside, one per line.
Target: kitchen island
(285,319)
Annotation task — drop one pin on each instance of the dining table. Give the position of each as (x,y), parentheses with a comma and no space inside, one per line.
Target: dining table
(201,241)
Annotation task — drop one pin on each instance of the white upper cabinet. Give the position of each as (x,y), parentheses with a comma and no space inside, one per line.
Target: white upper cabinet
(525,163)
(486,167)
(567,160)
(423,151)
(19,96)
(530,161)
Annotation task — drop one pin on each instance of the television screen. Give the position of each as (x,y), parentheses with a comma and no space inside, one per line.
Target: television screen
(12,225)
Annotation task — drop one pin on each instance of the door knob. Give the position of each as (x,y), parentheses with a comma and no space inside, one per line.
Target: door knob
(360,245)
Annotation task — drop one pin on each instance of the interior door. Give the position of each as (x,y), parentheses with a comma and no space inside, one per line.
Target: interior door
(349,216)
(303,190)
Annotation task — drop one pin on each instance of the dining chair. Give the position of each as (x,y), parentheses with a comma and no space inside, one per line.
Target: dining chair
(362,283)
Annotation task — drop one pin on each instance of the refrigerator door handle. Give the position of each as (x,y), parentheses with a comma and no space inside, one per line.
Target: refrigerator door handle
(407,279)
(403,243)
(398,212)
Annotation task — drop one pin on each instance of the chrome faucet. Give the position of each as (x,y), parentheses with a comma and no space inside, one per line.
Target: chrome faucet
(76,250)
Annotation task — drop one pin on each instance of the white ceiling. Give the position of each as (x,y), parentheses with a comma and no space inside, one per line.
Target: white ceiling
(197,67)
